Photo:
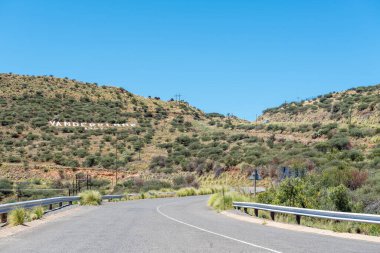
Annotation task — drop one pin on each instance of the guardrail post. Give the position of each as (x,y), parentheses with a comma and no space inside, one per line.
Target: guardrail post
(70,203)
(60,204)
(246,210)
(256,212)
(272,215)
(4,217)
(298,219)
(51,207)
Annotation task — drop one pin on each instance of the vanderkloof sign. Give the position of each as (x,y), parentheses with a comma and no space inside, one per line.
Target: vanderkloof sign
(89,125)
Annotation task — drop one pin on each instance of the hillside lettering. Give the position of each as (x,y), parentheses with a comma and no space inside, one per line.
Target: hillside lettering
(89,125)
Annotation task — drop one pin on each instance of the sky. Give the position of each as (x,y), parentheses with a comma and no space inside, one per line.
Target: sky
(238,56)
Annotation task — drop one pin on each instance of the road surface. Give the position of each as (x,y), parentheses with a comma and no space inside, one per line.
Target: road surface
(167,225)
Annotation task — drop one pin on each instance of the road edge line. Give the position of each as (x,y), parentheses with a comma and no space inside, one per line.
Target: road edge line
(158,209)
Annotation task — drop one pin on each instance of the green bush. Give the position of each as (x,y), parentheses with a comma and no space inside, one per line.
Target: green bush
(17,217)
(38,211)
(340,143)
(155,185)
(90,198)
(190,191)
(220,201)
(339,197)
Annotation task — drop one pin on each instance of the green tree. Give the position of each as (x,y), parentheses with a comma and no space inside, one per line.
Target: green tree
(339,196)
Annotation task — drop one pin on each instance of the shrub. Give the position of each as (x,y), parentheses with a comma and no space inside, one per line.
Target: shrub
(291,192)
(205,191)
(98,183)
(39,212)
(17,217)
(158,161)
(155,185)
(184,192)
(179,182)
(361,132)
(322,146)
(220,201)
(5,186)
(90,198)
(339,197)
(340,143)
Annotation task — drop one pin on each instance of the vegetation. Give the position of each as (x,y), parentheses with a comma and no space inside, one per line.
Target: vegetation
(331,144)
(90,198)
(223,200)
(38,212)
(17,217)
(349,107)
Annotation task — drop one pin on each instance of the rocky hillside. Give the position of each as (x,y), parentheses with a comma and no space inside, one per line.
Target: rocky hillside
(359,106)
(62,123)
(54,128)
(58,122)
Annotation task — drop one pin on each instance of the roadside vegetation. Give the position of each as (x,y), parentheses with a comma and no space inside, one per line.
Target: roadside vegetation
(90,198)
(308,192)
(20,215)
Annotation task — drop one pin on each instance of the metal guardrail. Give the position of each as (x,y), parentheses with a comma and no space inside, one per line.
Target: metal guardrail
(6,208)
(299,212)
(111,197)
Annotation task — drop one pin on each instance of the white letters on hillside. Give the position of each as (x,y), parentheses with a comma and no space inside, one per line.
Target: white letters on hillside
(90,125)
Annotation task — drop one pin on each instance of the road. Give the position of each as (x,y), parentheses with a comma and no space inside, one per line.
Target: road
(167,225)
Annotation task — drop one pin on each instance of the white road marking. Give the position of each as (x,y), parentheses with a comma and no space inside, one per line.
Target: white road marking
(214,233)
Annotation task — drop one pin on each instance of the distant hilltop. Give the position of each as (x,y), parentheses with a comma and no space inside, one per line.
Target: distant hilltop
(354,106)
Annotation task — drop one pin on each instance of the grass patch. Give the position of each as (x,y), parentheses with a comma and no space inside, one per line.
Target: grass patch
(90,198)
(38,212)
(191,191)
(184,192)
(220,201)
(17,217)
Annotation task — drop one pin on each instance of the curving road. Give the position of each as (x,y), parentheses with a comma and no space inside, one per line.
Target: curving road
(167,225)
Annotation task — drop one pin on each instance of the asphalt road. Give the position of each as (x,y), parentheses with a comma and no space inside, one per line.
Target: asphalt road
(167,225)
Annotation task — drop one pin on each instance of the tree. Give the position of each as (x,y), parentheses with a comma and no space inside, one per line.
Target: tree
(339,197)
(291,193)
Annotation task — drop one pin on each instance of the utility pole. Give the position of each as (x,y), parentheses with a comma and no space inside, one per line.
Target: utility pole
(178,98)
(255,182)
(116,161)
(87,181)
(350,117)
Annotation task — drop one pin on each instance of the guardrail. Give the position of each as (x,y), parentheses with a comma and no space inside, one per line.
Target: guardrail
(299,212)
(6,208)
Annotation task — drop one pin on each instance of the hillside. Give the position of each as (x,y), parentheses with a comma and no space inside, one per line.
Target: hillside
(355,106)
(54,128)
(49,122)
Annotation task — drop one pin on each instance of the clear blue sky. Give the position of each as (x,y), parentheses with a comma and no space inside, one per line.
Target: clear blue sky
(235,57)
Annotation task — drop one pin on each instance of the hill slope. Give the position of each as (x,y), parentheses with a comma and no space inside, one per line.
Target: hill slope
(54,128)
(355,106)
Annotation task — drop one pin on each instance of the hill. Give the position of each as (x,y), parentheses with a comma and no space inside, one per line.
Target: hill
(54,128)
(355,106)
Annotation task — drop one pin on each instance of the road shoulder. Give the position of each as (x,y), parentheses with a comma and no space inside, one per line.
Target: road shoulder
(10,231)
(244,217)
